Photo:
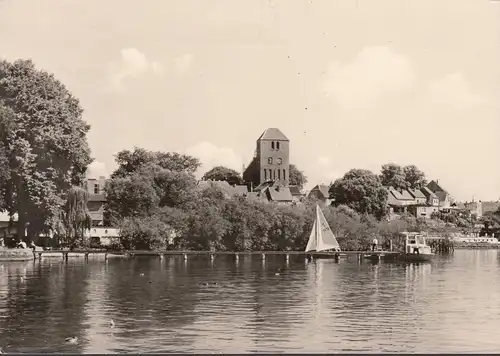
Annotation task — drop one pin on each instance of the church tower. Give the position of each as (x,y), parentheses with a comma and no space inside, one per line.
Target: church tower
(273,154)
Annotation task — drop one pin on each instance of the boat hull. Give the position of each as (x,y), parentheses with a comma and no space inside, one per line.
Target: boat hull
(416,257)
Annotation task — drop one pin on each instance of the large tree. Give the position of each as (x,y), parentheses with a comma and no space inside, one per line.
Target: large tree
(143,190)
(392,175)
(221,173)
(362,191)
(407,177)
(414,177)
(131,161)
(297,177)
(44,142)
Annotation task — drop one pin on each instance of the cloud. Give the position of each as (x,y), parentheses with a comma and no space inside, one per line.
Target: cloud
(96,169)
(453,91)
(375,72)
(132,64)
(211,155)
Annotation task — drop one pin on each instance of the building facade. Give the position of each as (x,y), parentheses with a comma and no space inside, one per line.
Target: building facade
(97,199)
(271,161)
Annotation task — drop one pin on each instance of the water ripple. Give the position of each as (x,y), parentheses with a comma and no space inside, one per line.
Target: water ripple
(168,306)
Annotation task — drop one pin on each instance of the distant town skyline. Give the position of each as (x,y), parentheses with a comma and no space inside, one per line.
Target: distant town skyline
(352,84)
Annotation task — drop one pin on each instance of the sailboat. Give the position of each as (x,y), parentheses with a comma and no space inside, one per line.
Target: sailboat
(321,237)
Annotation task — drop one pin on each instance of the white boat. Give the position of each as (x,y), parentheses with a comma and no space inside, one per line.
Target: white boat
(321,238)
(416,248)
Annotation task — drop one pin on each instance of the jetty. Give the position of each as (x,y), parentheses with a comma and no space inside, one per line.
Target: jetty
(65,254)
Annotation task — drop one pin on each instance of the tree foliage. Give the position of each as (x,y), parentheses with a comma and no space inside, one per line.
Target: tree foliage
(392,175)
(221,173)
(206,219)
(75,218)
(43,145)
(407,177)
(297,177)
(132,161)
(362,191)
(414,177)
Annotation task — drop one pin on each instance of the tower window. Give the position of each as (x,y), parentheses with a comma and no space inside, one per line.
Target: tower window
(265,174)
(279,174)
(277,145)
(96,188)
(270,160)
(280,161)
(272,145)
(284,175)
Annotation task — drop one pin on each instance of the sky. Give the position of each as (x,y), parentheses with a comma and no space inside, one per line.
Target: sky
(351,83)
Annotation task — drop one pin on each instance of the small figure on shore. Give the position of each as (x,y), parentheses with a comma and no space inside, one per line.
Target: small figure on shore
(374,244)
(21,244)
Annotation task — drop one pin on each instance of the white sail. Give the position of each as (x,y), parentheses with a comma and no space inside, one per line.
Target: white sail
(311,244)
(322,237)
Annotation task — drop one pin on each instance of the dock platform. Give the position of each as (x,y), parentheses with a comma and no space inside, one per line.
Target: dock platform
(185,254)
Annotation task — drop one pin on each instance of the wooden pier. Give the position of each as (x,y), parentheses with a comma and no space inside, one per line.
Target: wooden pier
(65,254)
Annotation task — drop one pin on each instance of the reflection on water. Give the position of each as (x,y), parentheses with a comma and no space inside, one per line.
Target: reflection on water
(250,305)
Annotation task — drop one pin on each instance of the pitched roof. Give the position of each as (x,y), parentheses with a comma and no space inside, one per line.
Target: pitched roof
(441,195)
(416,193)
(295,190)
(273,134)
(280,194)
(391,200)
(435,187)
(428,192)
(323,189)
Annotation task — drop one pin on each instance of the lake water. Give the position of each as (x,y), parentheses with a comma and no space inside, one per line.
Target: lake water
(169,305)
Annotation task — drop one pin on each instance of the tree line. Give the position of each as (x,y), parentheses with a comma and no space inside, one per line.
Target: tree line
(154,197)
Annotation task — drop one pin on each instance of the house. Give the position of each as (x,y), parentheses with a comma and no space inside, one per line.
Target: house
(97,199)
(297,194)
(274,191)
(418,196)
(432,199)
(321,194)
(444,197)
(411,201)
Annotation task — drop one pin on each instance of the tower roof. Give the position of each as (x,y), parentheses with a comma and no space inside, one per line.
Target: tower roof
(272,134)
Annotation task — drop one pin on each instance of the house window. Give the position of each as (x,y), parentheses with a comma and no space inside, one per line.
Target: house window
(96,188)
(270,160)
(277,145)
(272,145)
(280,161)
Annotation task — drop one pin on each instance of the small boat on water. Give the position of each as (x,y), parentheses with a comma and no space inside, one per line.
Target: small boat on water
(416,248)
(321,238)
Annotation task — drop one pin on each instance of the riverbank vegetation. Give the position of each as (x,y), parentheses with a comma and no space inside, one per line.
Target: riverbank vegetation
(158,204)
(153,197)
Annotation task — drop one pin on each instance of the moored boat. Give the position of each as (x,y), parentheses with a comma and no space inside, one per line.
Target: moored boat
(322,238)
